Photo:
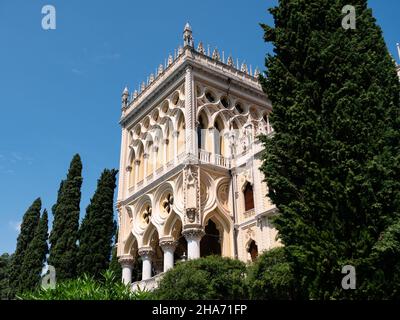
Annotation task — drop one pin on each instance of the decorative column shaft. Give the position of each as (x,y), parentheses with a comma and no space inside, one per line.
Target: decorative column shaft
(126,263)
(122,165)
(146,255)
(168,246)
(190,114)
(193,237)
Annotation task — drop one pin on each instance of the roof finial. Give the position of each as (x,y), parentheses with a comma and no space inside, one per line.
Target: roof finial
(230,61)
(187,36)
(215,55)
(200,48)
(125,96)
(170,60)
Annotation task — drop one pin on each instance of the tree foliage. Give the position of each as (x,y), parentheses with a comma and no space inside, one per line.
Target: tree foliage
(29,224)
(333,163)
(64,234)
(98,228)
(271,277)
(35,256)
(212,277)
(5,262)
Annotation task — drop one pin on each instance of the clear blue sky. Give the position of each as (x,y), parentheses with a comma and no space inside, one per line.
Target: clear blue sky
(60,89)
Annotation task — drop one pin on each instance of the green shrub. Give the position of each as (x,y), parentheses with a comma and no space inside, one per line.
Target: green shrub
(212,277)
(271,277)
(88,288)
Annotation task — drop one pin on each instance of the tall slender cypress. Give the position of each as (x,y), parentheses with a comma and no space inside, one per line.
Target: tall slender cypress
(98,227)
(29,224)
(64,234)
(35,256)
(333,164)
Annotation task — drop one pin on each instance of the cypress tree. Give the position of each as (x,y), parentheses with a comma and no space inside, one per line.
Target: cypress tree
(64,234)
(29,224)
(115,267)
(5,261)
(98,227)
(35,256)
(332,166)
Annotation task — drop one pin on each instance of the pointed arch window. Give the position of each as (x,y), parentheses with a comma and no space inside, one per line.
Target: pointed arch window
(248,197)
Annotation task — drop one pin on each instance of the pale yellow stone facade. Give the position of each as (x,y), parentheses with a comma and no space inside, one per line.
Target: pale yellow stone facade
(189,182)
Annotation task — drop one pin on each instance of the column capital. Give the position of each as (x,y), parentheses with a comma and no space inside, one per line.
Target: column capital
(193,233)
(146,156)
(168,243)
(137,162)
(175,133)
(129,168)
(126,261)
(146,252)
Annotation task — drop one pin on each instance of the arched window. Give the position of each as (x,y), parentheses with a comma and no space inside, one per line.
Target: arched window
(132,170)
(219,137)
(141,165)
(150,158)
(253,250)
(170,142)
(181,135)
(202,132)
(248,197)
(210,244)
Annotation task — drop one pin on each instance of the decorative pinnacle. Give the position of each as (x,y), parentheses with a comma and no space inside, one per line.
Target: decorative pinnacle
(170,60)
(215,55)
(126,91)
(230,61)
(187,27)
(187,36)
(200,48)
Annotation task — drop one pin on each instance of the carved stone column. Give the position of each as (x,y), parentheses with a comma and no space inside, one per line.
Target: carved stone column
(168,245)
(191,183)
(126,263)
(175,136)
(190,114)
(193,237)
(146,254)
(122,165)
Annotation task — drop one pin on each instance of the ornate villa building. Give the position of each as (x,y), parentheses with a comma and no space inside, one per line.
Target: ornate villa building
(189,183)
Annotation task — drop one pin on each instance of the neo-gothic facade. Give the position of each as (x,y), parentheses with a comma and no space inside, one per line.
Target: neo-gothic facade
(189,182)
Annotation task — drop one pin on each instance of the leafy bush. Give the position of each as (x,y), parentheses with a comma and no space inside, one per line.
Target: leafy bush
(271,277)
(212,277)
(88,288)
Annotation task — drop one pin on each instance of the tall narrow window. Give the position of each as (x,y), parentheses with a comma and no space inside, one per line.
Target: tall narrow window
(248,197)
(219,137)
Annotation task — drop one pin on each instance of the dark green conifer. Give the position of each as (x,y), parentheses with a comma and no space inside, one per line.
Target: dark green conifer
(29,224)
(333,164)
(35,256)
(64,234)
(98,227)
